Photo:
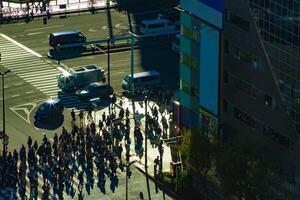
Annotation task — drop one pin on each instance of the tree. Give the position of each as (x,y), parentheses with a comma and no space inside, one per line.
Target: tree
(242,169)
(198,153)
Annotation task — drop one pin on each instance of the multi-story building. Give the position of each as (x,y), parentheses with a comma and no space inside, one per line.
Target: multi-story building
(243,71)
(261,86)
(200,59)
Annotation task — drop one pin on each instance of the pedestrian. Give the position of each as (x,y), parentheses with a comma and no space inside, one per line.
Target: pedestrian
(127,112)
(73,115)
(103,117)
(29,142)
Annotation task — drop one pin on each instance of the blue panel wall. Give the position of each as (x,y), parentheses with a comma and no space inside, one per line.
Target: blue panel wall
(216,4)
(209,69)
(204,11)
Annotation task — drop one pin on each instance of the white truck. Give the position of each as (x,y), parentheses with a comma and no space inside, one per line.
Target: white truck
(73,79)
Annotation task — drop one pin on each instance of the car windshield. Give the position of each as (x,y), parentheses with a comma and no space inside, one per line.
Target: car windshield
(44,107)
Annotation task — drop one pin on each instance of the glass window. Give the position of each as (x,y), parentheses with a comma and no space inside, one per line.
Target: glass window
(244,117)
(238,21)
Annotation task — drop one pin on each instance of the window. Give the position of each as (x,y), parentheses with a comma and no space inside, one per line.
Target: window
(268,100)
(244,117)
(194,92)
(189,61)
(158,25)
(149,78)
(190,33)
(238,21)
(185,86)
(278,138)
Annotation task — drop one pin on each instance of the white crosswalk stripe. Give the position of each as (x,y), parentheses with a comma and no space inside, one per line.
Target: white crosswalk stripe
(33,69)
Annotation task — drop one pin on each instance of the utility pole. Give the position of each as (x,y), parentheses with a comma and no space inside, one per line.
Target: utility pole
(4,136)
(146,150)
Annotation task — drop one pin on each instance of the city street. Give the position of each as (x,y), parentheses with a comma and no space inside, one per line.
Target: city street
(33,79)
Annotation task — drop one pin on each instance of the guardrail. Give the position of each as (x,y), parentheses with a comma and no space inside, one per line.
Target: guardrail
(120,38)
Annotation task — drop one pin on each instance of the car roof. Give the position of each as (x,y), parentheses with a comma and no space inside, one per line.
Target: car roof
(147,73)
(155,21)
(52,101)
(65,33)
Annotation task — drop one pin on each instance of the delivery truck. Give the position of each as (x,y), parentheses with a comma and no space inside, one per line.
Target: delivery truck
(73,79)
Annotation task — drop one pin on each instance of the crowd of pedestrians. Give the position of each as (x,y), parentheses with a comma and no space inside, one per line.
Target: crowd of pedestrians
(75,154)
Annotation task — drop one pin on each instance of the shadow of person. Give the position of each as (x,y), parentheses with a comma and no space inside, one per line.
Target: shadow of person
(80,195)
(101,184)
(141,195)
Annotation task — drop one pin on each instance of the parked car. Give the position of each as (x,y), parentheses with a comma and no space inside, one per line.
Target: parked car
(49,110)
(95,90)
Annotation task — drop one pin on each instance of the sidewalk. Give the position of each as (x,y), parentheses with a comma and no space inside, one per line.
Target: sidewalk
(152,150)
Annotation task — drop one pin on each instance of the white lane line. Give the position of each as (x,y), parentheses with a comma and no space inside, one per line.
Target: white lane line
(16,95)
(39,79)
(50,90)
(48,27)
(5,87)
(47,87)
(18,84)
(21,45)
(29,92)
(43,84)
(36,33)
(46,77)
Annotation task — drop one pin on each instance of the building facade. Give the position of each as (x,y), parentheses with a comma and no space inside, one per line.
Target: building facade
(244,72)
(200,62)
(261,88)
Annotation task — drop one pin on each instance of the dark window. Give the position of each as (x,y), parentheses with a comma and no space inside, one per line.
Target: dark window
(238,21)
(149,78)
(244,117)
(159,25)
(278,138)
(268,100)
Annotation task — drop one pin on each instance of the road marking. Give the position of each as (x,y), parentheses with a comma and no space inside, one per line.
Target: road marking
(104,27)
(30,92)
(21,45)
(49,27)
(5,87)
(36,33)
(25,108)
(18,84)
(15,95)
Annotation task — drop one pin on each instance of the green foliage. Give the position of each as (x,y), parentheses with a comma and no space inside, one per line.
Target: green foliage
(242,169)
(166,178)
(199,152)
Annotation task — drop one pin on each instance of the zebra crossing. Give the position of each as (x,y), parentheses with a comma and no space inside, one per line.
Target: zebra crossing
(35,70)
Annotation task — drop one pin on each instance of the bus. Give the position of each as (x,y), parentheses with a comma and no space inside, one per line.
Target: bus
(156,26)
(176,44)
(66,37)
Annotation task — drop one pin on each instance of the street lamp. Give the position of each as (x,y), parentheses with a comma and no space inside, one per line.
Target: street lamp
(5,137)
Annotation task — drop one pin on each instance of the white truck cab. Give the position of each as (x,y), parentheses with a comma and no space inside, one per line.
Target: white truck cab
(73,79)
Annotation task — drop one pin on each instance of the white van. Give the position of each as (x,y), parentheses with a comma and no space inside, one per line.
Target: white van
(156,26)
(141,80)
